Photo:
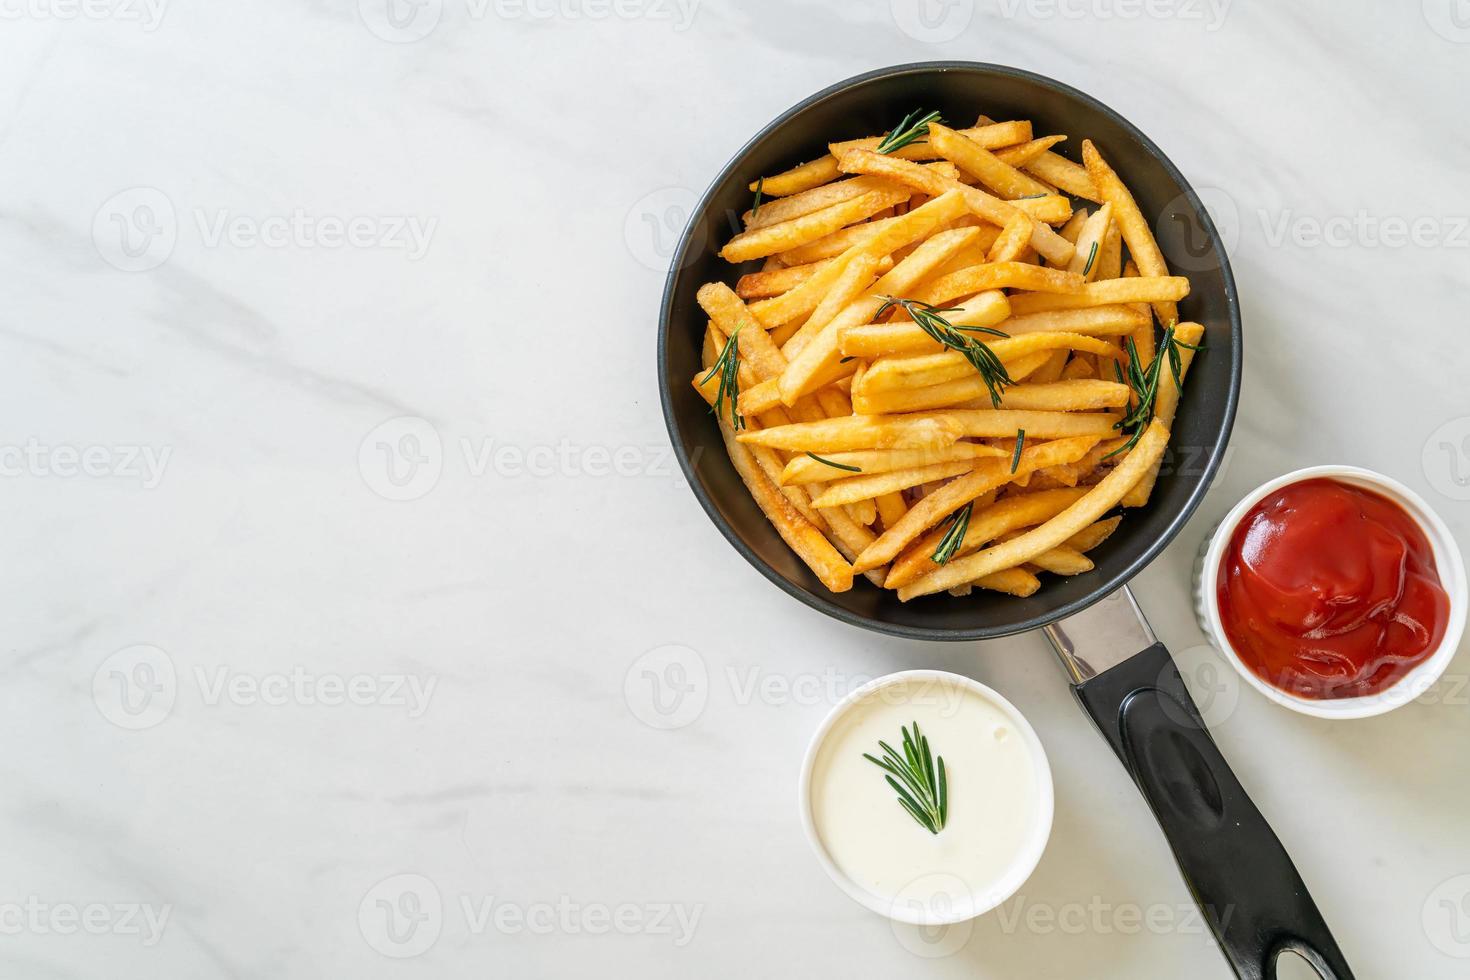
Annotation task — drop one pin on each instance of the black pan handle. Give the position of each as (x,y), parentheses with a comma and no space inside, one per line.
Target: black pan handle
(1239,874)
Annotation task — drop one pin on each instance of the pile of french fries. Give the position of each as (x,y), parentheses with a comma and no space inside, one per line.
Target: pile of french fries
(876,447)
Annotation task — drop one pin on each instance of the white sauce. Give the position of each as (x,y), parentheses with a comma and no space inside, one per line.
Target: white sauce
(995,803)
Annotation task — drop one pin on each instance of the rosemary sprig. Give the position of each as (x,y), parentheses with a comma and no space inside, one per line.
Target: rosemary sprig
(913,127)
(959,524)
(840,466)
(1020,445)
(931,320)
(1091,258)
(918,779)
(1145,384)
(727,365)
(760,186)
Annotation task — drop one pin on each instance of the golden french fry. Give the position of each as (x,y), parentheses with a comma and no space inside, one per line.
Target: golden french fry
(799,178)
(1062,560)
(986,525)
(992,137)
(1052,369)
(992,209)
(1092,321)
(988,475)
(816,199)
(759,243)
(1023,153)
(1090,243)
(920,370)
(732,318)
(1001,275)
(833,466)
(1093,535)
(1079,368)
(1013,581)
(891,508)
(856,279)
(1166,403)
(821,351)
(1109,293)
(872,485)
(850,537)
(1063,173)
(1131,222)
(1097,501)
(857,432)
(980,163)
(1013,241)
(906,337)
(774,282)
(1110,256)
(1004,424)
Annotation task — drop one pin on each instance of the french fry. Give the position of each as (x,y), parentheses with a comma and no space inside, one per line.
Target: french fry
(1023,153)
(980,163)
(774,282)
(991,136)
(1063,173)
(799,178)
(1109,293)
(1166,403)
(855,280)
(1013,241)
(1079,368)
(760,242)
(1052,369)
(837,243)
(873,485)
(1110,256)
(1001,275)
(992,209)
(811,201)
(807,469)
(850,537)
(986,525)
(1096,502)
(914,371)
(988,475)
(1062,560)
(891,508)
(1131,222)
(1013,581)
(1094,534)
(830,567)
(1090,242)
(858,432)
(1004,424)
(821,351)
(1092,321)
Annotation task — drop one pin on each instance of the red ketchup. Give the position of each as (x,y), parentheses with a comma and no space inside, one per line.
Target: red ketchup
(1330,591)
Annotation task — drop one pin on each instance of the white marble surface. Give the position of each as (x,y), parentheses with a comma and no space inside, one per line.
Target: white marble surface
(184,614)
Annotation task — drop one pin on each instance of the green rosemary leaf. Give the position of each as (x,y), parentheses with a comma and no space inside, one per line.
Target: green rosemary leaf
(913,127)
(838,466)
(955,536)
(1020,445)
(760,186)
(727,365)
(1091,258)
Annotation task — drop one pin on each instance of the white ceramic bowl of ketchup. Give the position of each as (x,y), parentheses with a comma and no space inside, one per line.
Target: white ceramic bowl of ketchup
(1447,559)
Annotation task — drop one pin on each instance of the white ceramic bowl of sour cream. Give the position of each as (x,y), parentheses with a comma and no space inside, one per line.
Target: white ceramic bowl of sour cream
(1000,799)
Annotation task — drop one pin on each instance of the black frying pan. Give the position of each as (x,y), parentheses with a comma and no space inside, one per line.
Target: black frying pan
(1236,868)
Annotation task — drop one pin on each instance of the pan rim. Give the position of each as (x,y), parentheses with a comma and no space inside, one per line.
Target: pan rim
(1112,582)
